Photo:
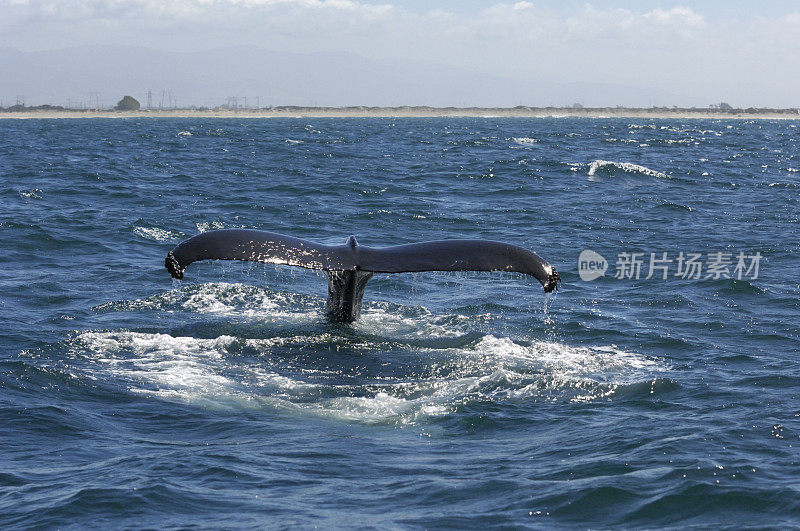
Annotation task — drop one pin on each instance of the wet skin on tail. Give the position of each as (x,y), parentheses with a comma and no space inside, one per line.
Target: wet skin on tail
(350,266)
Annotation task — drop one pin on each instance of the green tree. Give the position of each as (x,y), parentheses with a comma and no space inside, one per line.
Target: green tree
(128,103)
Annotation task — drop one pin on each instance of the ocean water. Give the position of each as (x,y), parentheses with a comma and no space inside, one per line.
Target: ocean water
(467,400)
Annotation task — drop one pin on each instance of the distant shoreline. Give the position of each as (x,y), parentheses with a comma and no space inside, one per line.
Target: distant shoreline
(414,112)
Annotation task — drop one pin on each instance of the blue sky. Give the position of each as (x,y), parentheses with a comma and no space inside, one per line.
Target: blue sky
(735,50)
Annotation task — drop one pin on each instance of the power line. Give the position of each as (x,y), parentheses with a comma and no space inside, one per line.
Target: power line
(94,100)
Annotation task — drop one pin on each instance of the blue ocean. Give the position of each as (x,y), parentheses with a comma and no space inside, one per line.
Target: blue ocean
(658,387)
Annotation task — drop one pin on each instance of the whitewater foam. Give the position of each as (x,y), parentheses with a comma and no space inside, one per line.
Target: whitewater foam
(397,365)
(206,226)
(607,165)
(33,193)
(157,234)
(211,373)
(224,298)
(160,364)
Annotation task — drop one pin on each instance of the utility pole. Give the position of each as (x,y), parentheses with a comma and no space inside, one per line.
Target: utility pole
(149,99)
(94,100)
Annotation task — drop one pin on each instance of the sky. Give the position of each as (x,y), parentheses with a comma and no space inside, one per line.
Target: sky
(741,52)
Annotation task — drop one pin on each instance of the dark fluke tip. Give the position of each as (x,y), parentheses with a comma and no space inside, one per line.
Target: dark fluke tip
(173,266)
(553,280)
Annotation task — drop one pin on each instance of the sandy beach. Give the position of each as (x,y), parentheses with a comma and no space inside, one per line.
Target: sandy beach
(415,112)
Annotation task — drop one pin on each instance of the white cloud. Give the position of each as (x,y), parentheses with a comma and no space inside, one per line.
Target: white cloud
(677,16)
(673,47)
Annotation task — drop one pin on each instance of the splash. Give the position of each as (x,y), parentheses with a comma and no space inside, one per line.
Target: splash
(399,365)
(610,166)
(369,387)
(229,299)
(206,226)
(33,193)
(157,234)
(525,141)
(546,303)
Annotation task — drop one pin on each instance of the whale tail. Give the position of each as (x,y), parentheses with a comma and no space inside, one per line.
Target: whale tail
(350,266)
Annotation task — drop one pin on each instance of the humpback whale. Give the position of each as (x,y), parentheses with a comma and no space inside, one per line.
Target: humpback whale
(350,266)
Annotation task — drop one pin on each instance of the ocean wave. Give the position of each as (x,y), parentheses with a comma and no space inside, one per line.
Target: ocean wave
(676,207)
(206,226)
(734,286)
(33,193)
(11,480)
(157,234)
(525,141)
(608,166)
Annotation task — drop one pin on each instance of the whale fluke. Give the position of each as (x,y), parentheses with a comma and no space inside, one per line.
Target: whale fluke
(350,266)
